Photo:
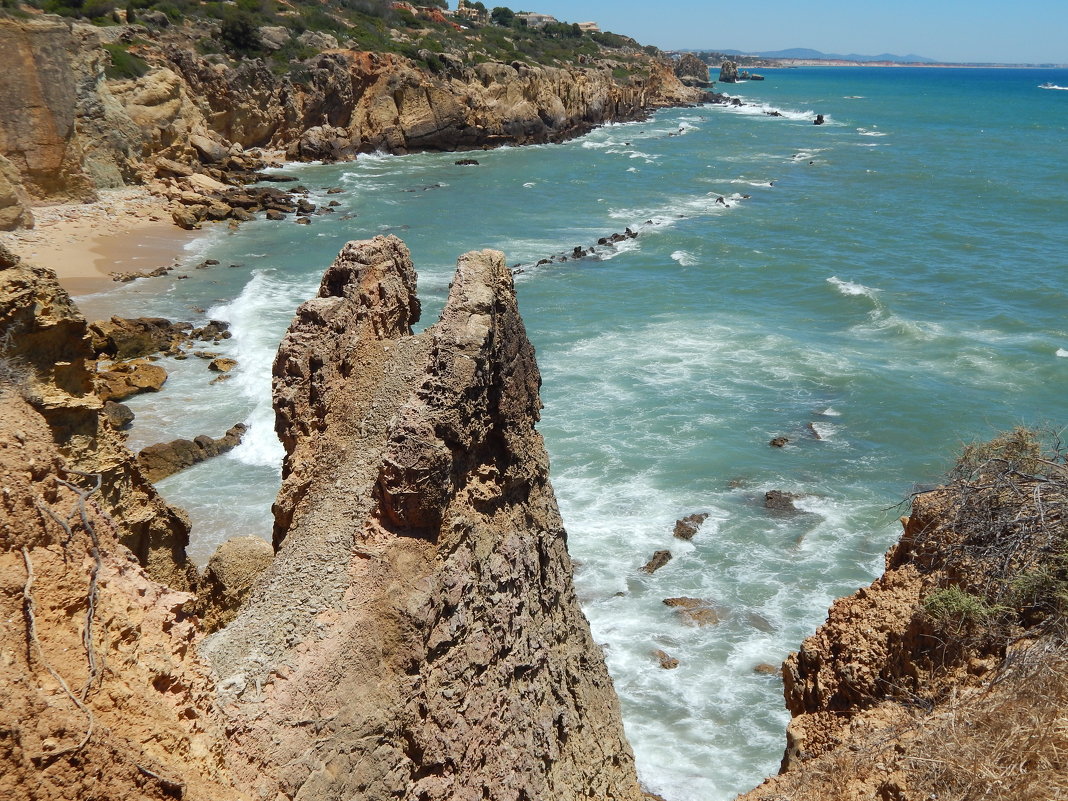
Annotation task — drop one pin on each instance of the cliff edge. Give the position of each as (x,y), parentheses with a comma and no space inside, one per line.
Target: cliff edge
(947,678)
(417,635)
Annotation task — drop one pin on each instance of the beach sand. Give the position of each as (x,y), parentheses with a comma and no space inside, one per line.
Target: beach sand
(126,230)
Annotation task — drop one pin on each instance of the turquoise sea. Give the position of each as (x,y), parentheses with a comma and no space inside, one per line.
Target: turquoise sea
(894,282)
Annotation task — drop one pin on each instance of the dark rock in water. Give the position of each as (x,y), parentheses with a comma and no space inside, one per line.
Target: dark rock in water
(667,661)
(128,338)
(466,163)
(276,177)
(118,414)
(818,120)
(812,431)
(167,458)
(303,221)
(773,113)
(764,669)
(759,622)
(212,332)
(779,501)
(336,190)
(333,204)
(687,527)
(660,558)
(304,206)
(694,611)
(275,214)
(779,442)
(728,72)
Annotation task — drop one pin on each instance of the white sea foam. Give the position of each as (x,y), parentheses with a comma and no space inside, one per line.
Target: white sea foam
(830,411)
(760,109)
(866,132)
(256,315)
(825,431)
(850,288)
(685,258)
(1062,353)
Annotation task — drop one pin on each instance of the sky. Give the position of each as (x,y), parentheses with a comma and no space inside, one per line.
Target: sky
(1023,31)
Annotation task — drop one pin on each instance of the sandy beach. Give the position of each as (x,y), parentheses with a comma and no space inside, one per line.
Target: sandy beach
(126,230)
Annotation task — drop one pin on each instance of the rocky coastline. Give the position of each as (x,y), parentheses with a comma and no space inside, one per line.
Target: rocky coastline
(194,129)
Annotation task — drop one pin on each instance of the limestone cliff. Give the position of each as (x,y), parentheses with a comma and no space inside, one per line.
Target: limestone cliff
(417,635)
(44,343)
(67,129)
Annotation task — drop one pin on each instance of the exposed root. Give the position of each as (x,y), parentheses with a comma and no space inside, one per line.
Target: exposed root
(29,610)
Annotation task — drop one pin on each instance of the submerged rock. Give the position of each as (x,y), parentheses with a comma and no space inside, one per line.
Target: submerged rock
(658,560)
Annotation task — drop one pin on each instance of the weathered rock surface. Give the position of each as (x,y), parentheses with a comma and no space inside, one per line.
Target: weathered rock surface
(420,608)
(228,578)
(135,718)
(128,338)
(687,527)
(49,340)
(691,70)
(126,379)
(14,200)
(728,72)
(656,561)
(167,458)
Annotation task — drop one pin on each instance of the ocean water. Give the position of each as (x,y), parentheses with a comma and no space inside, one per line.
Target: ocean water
(878,289)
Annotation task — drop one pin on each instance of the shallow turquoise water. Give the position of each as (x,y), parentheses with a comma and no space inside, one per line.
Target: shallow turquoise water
(896,278)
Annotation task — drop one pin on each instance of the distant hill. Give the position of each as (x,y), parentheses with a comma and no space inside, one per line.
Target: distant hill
(807,53)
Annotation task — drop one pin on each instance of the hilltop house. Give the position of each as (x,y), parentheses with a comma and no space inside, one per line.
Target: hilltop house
(472,13)
(532,20)
(589,27)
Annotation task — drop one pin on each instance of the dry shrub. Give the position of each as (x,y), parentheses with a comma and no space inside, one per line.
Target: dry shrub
(1002,541)
(1007,741)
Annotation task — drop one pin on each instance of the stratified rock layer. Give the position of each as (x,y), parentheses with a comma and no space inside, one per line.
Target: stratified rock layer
(417,636)
(43,338)
(102,694)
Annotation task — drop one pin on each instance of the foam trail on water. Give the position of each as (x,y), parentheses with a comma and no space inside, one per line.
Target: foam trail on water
(263,308)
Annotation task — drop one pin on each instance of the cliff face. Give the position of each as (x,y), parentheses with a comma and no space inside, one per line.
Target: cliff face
(417,635)
(45,342)
(67,129)
(101,691)
(946,677)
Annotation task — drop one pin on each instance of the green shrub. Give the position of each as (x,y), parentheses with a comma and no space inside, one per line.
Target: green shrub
(124,64)
(956,609)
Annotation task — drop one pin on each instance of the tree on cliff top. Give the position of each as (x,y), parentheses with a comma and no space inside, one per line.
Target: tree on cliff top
(502,16)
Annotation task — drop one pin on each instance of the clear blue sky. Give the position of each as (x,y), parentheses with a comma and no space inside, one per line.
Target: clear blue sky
(1032,31)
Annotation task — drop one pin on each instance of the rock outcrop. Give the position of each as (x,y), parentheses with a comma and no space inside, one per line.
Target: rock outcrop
(167,458)
(45,340)
(417,635)
(190,119)
(946,677)
(692,71)
(15,201)
(728,72)
(101,691)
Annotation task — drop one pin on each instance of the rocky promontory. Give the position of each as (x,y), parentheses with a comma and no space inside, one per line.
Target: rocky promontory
(417,635)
